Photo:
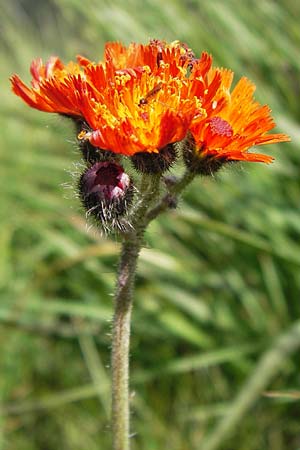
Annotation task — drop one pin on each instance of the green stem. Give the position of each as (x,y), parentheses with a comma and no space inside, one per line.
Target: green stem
(120,343)
(171,196)
(183,182)
(149,192)
(121,324)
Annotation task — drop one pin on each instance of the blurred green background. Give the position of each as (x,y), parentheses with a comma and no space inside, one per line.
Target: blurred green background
(218,284)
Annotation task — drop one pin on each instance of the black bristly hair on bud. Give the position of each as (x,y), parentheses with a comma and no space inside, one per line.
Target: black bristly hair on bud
(196,162)
(155,163)
(90,153)
(106,192)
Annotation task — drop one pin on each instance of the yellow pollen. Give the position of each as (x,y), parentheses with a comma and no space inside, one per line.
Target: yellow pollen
(84,135)
(164,65)
(146,69)
(121,80)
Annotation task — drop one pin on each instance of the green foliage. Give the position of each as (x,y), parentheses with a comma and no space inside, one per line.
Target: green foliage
(217,283)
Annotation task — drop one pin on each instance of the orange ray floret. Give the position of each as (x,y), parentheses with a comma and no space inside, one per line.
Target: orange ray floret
(229,131)
(52,89)
(53,83)
(126,109)
(147,114)
(141,98)
(151,57)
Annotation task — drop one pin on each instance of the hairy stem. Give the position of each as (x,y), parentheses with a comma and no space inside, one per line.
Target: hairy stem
(121,324)
(120,344)
(171,197)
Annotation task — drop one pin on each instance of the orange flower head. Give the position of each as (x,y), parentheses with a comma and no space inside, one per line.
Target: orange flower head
(54,86)
(234,123)
(64,89)
(143,98)
(144,57)
(143,115)
(51,87)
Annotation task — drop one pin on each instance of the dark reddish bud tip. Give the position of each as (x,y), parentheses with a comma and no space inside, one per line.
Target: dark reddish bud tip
(106,191)
(155,163)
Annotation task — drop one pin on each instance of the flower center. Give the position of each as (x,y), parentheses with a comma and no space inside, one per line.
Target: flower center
(220,127)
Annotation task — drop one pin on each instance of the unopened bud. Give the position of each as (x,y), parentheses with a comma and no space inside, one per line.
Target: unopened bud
(106,191)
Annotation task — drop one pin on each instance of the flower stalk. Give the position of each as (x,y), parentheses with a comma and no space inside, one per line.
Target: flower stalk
(131,246)
(132,243)
(120,342)
(169,200)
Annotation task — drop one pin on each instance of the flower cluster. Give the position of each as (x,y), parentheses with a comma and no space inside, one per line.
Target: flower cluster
(140,101)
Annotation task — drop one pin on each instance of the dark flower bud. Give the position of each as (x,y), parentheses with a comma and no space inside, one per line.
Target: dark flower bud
(106,191)
(154,163)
